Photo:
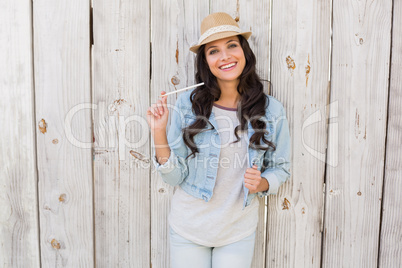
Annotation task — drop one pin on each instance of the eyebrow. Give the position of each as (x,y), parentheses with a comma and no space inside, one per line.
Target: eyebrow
(231,40)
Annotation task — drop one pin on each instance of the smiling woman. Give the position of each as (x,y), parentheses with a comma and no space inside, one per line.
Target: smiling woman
(227,143)
(225,58)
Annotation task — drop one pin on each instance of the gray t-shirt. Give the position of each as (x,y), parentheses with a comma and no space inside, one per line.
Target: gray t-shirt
(221,220)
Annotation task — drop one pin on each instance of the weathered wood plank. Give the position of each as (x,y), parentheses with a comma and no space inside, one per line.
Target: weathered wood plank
(255,17)
(175,25)
(62,87)
(121,54)
(19,232)
(359,87)
(129,219)
(391,221)
(299,77)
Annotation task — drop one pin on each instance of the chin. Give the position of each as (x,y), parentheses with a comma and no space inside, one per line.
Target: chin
(229,79)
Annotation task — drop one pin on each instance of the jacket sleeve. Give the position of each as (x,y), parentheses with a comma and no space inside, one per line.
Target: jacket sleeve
(278,162)
(175,169)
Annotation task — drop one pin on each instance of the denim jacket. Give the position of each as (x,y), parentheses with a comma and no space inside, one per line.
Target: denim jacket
(197,176)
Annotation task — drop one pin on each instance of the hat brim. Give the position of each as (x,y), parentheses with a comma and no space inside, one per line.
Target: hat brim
(218,36)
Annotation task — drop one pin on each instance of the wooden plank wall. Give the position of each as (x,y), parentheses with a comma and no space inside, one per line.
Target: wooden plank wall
(62,82)
(120,88)
(19,230)
(77,188)
(299,77)
(390,254)
(359,86)
(174,26)
(63,131)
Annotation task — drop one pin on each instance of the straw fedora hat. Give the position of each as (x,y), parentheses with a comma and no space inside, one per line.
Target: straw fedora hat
(217,26)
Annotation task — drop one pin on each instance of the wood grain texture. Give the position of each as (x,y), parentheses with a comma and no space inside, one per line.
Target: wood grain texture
(121,71)
(255,17)
(359,86)
(391,221)
(299,77)
(62,87)
(77,187)
(175,25)
(19,230)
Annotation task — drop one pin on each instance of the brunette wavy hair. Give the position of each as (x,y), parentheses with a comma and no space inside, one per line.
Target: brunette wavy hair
(251,107)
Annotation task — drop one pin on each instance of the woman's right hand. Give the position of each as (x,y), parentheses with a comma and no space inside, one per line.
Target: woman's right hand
(158,115)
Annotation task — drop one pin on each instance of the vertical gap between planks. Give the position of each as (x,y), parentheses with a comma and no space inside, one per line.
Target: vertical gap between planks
(265,230)
(91,43)
(270,45)
(36,173)
(149,135)
(386,136)
(327,114)
(264,262)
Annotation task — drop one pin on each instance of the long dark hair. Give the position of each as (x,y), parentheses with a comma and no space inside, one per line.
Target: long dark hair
(252,104)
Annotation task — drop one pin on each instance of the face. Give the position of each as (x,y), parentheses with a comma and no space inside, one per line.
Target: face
(225,58)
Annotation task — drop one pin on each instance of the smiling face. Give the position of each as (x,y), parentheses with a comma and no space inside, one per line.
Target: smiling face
(225,58)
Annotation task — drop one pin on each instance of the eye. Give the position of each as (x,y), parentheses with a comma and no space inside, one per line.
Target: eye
(232,45)
(213,51)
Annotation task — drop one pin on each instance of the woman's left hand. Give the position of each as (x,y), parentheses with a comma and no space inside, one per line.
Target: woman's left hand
(253,180)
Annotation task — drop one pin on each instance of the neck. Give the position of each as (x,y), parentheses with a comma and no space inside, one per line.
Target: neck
(229,95)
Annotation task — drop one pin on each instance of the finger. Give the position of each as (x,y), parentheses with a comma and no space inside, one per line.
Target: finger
(155,112)
(247,185)
(251,176)
(253,171)
(164,101)
(252,183)
(247,181)
(249,170)
(160,107)
(250,187)
(150,111)
(256,172)
(155,108)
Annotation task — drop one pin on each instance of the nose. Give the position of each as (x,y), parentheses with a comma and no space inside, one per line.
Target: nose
(225,55)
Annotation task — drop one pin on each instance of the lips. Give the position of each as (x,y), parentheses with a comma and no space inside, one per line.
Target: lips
(228,66)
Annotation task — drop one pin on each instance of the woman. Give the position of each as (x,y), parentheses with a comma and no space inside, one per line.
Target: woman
(227,143)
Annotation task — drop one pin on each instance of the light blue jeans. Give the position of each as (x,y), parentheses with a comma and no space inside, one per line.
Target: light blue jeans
(184,253)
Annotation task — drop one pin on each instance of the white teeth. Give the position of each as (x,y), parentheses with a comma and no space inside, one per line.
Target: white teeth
(228,66)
